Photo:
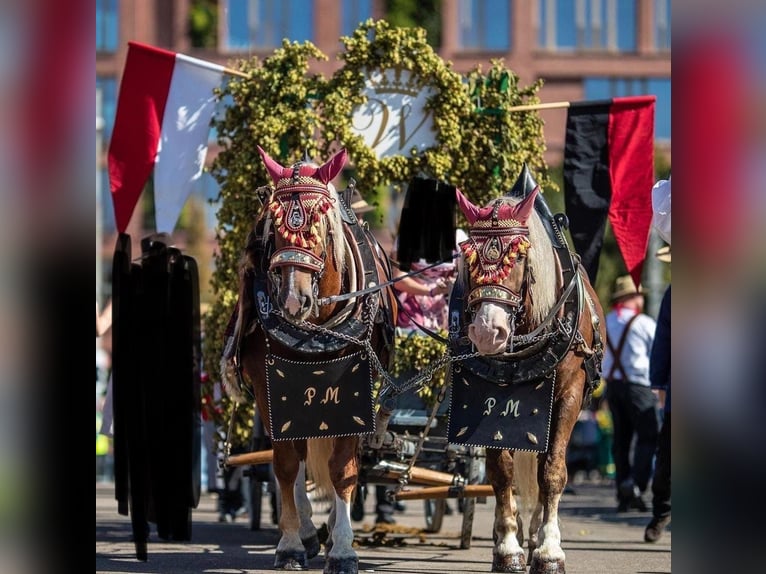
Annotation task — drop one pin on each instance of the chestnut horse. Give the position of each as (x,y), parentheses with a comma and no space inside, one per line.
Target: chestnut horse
(525,304)
(306,248)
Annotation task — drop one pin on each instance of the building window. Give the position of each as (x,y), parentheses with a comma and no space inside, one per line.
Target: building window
(354,12)
(605,88)
(107,26)
(601,25)
(485,25)
(662,25)
(263,24)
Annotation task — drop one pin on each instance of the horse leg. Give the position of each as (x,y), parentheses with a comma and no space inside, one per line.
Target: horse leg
(344,470)
(535,523)
(330,527)
(549,558)
(307,530)
(507,554)
(290,554)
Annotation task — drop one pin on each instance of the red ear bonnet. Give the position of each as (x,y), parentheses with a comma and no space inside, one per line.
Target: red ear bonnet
(520,212)
(276,171)
(470,211)
(522,209)
(332,167)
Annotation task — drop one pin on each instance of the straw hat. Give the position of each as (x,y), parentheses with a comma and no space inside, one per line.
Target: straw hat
(625,287)
(358,204)
(663,254)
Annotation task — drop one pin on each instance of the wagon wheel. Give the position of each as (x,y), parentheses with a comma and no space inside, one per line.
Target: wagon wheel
(434,511)
(473,476)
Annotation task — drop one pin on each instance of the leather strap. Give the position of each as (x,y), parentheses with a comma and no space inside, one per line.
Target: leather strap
(617,364)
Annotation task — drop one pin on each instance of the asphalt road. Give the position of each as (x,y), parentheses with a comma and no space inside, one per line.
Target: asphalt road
(595,539)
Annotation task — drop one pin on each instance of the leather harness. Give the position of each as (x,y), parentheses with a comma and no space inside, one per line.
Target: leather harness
(535,359)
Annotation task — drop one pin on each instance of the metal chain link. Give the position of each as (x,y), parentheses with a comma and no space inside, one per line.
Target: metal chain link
(369,309)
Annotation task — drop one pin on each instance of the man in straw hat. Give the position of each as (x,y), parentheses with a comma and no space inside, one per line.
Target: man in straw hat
(630,335)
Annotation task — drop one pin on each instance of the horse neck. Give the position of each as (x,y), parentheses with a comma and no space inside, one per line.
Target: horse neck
(528,323)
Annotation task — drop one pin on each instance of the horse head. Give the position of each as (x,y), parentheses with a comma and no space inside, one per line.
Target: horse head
(308,239)
(504,240)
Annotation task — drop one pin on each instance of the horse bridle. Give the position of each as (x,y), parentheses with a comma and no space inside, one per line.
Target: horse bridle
(306,203)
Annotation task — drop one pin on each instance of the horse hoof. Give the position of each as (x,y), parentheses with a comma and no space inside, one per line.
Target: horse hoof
(540,566)
(348,565)
(311,544)
(509,563)
(290,560)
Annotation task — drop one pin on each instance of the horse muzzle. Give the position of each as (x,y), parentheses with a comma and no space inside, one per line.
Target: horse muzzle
(491,329)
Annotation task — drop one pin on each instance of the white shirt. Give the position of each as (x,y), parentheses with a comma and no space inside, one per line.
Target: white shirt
(637,349)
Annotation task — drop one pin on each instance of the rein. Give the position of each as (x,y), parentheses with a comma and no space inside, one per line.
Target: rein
(373,287)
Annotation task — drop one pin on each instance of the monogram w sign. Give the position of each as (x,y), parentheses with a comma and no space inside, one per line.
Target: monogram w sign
(394,119)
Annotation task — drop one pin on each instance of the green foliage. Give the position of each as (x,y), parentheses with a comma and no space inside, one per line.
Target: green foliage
(203,24)
(496,142)
(417,14)
(391,48)
(414,353)
(286,110)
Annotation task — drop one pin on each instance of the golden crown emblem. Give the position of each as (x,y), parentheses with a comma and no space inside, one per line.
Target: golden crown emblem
(395,81)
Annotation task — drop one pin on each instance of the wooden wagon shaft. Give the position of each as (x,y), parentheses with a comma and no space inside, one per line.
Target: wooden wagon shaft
(388,470)
(392,470)
(468,491)
(258,457)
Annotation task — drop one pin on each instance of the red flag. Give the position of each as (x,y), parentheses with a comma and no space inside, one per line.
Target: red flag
(609,171)
(163,112)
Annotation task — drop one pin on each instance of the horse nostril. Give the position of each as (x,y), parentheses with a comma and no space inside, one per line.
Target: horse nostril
(305,304)
(500,334)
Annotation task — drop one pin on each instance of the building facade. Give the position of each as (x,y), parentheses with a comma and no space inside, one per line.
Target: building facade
(582,49)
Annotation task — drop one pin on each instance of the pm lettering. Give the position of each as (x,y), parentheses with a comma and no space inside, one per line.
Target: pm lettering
(511,407)
(331,395)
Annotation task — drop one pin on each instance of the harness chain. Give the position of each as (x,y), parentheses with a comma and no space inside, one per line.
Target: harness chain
(371,309)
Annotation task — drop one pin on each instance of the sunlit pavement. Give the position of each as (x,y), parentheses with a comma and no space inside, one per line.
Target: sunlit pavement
(595,540)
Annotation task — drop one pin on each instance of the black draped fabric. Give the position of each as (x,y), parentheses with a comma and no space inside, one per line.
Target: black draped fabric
(427,223)
(156,366)
(587,184)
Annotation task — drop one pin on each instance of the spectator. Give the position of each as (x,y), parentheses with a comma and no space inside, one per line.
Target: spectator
(630,334)
(659,374)
(660,377)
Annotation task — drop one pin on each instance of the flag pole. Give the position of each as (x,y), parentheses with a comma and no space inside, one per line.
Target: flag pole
(233,72)
(529,107)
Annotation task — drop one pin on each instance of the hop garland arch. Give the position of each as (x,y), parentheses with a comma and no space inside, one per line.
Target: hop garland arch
(375,45)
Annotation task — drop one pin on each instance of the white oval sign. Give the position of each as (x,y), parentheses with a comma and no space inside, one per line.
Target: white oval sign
(394,118)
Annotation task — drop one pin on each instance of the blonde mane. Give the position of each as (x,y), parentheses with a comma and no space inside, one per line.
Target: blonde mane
(336,229)
(542,259)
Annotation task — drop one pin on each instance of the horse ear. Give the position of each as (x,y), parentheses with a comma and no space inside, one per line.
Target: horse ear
(327,172)
(522,209)
(274,168)
(470,211)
